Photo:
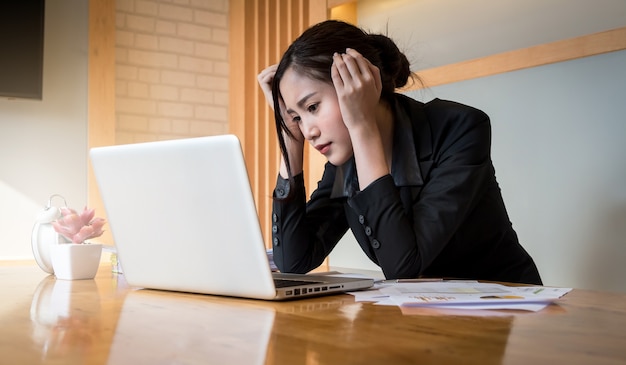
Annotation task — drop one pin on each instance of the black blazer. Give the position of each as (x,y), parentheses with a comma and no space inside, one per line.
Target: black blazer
(439,213)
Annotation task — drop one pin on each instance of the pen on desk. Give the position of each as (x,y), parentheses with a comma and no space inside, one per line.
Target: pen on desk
(418,280)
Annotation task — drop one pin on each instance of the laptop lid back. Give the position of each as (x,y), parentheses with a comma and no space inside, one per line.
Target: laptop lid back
(183,216)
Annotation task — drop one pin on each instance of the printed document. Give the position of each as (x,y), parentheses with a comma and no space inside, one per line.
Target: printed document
(460,294)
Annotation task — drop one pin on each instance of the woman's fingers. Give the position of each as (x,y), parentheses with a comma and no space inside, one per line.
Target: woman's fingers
(335,74)
(358,86)
(267,74)
(346,68)
(352,67)
(366,67)
(265,78)
(360,64)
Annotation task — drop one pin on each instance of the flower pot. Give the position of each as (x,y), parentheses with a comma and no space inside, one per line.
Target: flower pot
(73,261)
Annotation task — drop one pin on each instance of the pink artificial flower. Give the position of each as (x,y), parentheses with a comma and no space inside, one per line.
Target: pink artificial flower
(78,227)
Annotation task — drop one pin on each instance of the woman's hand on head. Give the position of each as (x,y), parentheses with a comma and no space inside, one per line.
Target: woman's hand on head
(358,86)
(294,144)
(265,78)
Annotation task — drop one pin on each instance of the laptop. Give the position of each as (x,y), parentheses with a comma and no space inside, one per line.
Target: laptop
(183,218)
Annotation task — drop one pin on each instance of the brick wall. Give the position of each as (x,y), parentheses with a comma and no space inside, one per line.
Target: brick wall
(171,69)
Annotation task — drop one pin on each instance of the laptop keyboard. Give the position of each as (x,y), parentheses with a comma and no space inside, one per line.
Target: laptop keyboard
(285,283)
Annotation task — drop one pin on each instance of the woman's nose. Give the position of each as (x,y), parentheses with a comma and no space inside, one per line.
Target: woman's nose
(309,129)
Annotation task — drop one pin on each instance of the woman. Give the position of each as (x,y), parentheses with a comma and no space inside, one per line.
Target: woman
(414,182)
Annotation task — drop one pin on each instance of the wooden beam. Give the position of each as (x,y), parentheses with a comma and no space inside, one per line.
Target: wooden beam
(101,94)
(314,161)
(237,62)
(559,51)
(260,31)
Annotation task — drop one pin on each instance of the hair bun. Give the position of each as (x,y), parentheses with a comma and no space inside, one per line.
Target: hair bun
(395,64)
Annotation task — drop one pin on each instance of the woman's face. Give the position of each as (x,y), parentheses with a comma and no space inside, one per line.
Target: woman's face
(313,106)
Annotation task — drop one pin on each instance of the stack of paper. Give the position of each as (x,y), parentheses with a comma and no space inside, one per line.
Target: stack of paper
(460,294)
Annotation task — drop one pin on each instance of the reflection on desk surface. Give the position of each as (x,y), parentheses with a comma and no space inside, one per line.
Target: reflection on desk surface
(172,329)
(103,321)
(187,328)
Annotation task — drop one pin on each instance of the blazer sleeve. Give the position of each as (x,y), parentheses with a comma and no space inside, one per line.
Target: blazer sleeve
(405,241)
(304,233)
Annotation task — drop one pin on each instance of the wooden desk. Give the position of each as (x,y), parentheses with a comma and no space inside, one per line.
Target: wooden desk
(103,321)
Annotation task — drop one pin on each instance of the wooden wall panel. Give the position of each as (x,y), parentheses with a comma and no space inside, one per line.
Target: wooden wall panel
(260,31)
(101,89)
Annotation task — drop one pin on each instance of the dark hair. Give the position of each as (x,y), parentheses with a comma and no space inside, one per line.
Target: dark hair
(311,54)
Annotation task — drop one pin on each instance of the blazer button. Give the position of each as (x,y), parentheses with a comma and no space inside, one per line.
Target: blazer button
(361,219)
(274,228)
(276,241)
(368,231)
(375,243)
(274,218)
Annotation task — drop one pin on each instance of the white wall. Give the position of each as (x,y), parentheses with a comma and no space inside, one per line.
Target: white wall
(439,32)
(558,130)
(558,147)
(43,143)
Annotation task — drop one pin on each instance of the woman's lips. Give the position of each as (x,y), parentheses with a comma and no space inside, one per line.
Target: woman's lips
(323,148)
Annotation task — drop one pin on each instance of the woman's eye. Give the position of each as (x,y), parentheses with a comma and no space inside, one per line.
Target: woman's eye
(312,108)
(295,119)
